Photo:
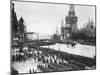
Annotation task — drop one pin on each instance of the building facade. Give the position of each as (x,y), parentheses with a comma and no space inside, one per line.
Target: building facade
(18,28)
(90,28)
(70,24)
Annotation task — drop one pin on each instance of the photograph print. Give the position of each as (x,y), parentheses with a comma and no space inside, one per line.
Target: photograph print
(52,37)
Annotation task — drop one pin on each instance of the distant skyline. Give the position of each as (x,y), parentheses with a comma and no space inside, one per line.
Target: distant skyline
(45,18)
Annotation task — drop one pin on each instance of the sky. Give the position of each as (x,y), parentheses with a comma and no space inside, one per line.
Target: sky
(44,18)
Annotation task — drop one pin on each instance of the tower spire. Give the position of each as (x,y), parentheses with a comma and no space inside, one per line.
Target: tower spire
(13,7)
(13,4)
(57,30)
(21,20)
(62,23)
(71,9)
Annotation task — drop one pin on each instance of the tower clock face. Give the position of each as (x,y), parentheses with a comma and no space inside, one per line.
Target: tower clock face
(68,35)
(67,25)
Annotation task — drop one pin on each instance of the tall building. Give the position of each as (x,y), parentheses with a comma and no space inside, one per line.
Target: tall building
(56,36)
(21,29)
(70,24)
(90,24)
(14,21)
(18,29)
(90,28)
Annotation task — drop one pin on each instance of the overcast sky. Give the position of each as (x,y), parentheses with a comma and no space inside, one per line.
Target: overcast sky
(45,18)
